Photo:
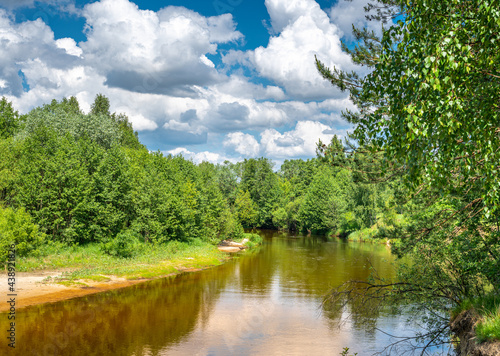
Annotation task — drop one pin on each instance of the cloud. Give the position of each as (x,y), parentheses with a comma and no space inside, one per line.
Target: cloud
(285,12)
(29,47)
(345,14)
(70,46)
(297,143)
(304,31)
(160,52)
(242,143)
(199,157)
(161,70)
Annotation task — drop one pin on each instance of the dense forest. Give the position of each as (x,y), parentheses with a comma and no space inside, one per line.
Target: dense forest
(81,178)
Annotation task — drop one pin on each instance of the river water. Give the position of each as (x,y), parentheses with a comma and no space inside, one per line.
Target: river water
(263,302)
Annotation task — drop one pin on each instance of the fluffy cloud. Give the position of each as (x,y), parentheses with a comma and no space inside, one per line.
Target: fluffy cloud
(345,14)
(242,143)
(156,68)
(200,156)
(304,31)
(160,52)
(300,142)
(297,143)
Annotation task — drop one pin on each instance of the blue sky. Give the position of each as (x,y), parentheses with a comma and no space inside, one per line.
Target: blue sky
(210,79)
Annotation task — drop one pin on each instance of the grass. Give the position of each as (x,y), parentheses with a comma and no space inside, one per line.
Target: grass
(89,262)
(253,239)
(378,232)
(488,308)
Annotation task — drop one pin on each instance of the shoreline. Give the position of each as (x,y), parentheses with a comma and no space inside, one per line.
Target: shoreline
(39,287)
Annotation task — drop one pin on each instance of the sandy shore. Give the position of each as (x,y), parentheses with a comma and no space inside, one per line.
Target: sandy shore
(33,287)
(40,287)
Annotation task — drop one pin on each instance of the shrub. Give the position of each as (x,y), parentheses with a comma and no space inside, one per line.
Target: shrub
(253,239)
(125,244)
(17,227)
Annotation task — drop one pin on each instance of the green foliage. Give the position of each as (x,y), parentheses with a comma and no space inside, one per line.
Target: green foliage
(17,227)
(9,119)
(488,329)
(232,230)
(246,210)
(428,112)
(318,203)
(64,119)
(345,352)
(261,182)
(125,245)
(100,106)
(227,178)
(280,218)
(86,179)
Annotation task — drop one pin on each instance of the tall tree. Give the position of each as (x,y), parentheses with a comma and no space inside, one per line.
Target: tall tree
(431,104)
(9,119)
(100,106)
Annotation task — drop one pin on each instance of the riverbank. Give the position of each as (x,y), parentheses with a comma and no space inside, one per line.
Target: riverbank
(464,326)
(64,272)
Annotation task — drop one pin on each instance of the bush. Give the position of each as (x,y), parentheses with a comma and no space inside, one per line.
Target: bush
(17,227)
(126,244)
(253,239)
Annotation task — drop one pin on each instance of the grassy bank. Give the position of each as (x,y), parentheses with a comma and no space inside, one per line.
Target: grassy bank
(378,232)
(91,262)
(149,261)
(487,309)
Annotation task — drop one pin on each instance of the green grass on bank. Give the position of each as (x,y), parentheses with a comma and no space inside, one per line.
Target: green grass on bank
(488,309)
(378,232)
(91,262)
(253,239)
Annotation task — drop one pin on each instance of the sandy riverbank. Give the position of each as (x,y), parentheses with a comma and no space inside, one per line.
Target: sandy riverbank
(42,286)
(34,288)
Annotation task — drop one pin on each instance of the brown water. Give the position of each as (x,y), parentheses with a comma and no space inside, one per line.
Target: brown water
(265,302)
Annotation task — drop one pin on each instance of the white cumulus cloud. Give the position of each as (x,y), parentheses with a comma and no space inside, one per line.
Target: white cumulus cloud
(304,30)
(300,142)
(244,144)
(160,52)
(199,157)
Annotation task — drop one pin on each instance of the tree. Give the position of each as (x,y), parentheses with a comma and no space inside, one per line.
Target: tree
(427,104)
(262,183)
(430,105)
(315,208)
(246,210)
(17,227)
(100,106)
(9,119)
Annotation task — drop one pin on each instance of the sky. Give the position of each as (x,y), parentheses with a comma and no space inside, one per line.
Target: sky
(212,80)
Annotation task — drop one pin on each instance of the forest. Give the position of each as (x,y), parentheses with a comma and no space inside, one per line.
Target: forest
(79,178)
(420,170)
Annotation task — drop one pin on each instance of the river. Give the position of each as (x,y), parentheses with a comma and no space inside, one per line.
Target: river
(262,302)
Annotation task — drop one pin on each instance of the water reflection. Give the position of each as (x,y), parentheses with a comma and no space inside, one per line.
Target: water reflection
(266,301)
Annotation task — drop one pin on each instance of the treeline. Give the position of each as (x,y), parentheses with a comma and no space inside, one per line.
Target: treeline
(307,196)
(81,178)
